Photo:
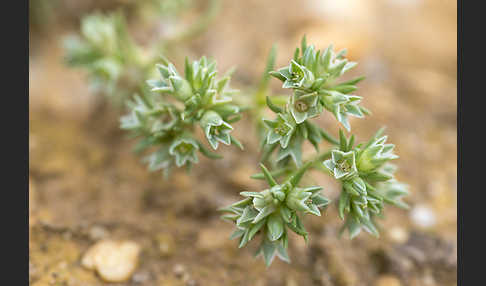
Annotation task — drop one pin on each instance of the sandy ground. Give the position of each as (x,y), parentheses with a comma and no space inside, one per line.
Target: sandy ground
(87,185)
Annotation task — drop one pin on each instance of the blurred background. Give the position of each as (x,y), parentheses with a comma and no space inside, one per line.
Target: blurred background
(87,186)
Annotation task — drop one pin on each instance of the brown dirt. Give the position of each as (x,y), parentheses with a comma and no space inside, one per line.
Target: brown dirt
(86,184)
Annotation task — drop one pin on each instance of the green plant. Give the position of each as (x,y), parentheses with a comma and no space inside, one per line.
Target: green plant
(167,116)
(363,170)
(115,64)
(273,211)
(168,109)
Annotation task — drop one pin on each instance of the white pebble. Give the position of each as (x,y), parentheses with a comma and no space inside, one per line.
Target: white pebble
(423,216)
(114,261)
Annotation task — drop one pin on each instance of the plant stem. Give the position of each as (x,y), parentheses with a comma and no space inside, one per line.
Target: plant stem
(329,138)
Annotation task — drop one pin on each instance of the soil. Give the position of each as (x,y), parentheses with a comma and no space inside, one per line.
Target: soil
(86,184)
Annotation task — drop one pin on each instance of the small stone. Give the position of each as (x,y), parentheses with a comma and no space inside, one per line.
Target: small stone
(97,233)
(387,280)
(423,217)
(113,261)
(141,277)
(428,280)
(188,281)
(290,281)
(179,270)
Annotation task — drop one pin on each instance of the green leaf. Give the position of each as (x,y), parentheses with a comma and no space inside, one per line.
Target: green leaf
(252,194)
(237,143)
(282,252)
(320,201)
(275,227)
(345,89)
(255,228)
(244,239)
(328,137)
(208,153)
(353,81)
(249,213)
(286,214)
(303,44)
(268,249)
(266,211)
(237,233)
(276,173)
(354,227)
(343,204)
(273,107)
(277,75)
(268,176)
(343,141)
(370,227)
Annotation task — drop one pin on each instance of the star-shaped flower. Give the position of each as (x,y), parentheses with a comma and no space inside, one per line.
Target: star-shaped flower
(184,150)
(216,129)
(294,76)
(304,106)
(342,164)
(280,129)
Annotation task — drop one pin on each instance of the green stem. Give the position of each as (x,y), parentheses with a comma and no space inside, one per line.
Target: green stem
(329,138)
(275,174)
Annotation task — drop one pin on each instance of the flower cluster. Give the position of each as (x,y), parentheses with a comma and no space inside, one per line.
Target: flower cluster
(115,64)
(167,114)
(286,135)
(364,170)
(312,76)
(367,180)
(167,111)
(272,212)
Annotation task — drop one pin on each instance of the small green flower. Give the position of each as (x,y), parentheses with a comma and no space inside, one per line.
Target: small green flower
(152,119)
(342,105)
(316,70)
(100,31)
(280,129)
(215,129)
(306,200)
(108,54)
(295,76)
(304,106)
(184,150)
(342,164)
